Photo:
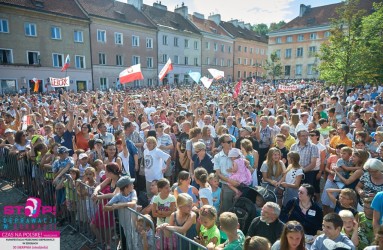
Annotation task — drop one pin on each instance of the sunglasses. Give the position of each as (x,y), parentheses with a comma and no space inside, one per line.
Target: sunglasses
(292,227)
(312,135)
(160,126)
(228,142)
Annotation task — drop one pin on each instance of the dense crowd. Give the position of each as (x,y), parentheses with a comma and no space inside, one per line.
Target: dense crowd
(309,163)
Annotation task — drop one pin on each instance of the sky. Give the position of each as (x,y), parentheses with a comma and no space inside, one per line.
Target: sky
(249,11)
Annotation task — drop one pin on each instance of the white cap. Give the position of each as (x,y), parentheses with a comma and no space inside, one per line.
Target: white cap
(82,156)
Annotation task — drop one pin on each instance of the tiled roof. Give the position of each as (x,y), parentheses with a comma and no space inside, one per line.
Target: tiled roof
(58,7)
(115,10)
(243,32)
(209,26)
(169,19)
(321,15)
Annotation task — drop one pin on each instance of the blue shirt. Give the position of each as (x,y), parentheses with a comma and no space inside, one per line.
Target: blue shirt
(377,205)
(132,151)
(60,164)
(65,140)
(120,198)
(318,243)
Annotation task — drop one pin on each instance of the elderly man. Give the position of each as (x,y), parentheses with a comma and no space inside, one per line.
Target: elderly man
(267,225)
(285,130)
(233,130)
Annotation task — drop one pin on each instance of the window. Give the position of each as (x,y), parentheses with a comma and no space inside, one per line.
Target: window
(30,29)
(176,60)
(118,38)
(287,70)
(4,26)
(195,61)
(149,43)
(164,58)
(251,50)
(101,58)
(33,57)
(244,74)
(175,41)
(101,36)
(207,45)
(327,34)
(245,49)
(149,62)
(186,43)
(278,53)
(298,69)
(288,53)
(58,60)
(289,39)
(222,62)
(135,41)
(312,50)
(119,60)
(229,49)
(207,61)
(186,60)
(301,38)
(239,60)
(278,40)
(186,78)
(195,44)
(79,62)
(239,48)
(299,52)
(103,83)
(262,51)
(55,32)
(257,51)
(239,74)
(222,48)
(165,40)
(245,60)
(313,36)
(252,62)
(135,60)
(176,78)
(150,82)
(215,46)
(78,36)
(6,56)
(228,63)
(215,63)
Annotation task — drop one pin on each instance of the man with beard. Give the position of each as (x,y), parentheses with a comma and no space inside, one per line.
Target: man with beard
(267,225)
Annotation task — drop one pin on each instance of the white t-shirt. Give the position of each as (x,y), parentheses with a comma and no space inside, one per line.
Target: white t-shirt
(153,161)
(320,147)
(292,175)
(125,161)
(206,193)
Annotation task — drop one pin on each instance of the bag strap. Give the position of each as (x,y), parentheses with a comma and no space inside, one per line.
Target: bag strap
(291,209)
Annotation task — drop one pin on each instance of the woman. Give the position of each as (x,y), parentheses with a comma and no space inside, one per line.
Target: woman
(374,146)
(195,134)
(256,243)
(372,180)
(316,117)
(111,155)
(292,237)
(359,126)
(21,148)
(294,120)
(202,158)
(208,140)
(371,125)
(83,136)
(304,210)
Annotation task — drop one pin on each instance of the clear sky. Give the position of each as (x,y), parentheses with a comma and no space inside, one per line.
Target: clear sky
(249,11)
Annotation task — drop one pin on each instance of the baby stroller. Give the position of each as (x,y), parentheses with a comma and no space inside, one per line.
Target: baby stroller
(245,206)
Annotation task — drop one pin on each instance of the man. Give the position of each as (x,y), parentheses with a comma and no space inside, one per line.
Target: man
(165,143)
(115,125)
(332,227)
(273,126)
(183,162)
(264,136)
(339,112)
(64,133)
(233,130)
(134,143)
(267,225)
(303,123)
(106,137)
(340,138)
(207,122)
(309,154)
(245,133)
(320,162)
(285,130)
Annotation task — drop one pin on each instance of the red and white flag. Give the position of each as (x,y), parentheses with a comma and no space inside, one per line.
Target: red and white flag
(237,89)
(217,74)
(66,64)
(27,120)
(131,74)
(206,81)
(168,67)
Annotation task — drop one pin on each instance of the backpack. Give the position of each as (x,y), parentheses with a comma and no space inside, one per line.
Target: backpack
(246,211)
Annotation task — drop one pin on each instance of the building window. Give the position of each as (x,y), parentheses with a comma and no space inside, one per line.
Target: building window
(299,52)
(149,43)
(244,74)
(186,43)
(78,36)
(239,48)
(118,38)
(150,82)
(245,60)
(298,69)
(278,40)
(165,40)
(222,48)
(215,63)
(301,38)
(278,53)
(58,60)
(229,49)
(245,49)
(135,60)
(103,83)
(4,26)
(176,78)
(195,44)
(175,41)
(257,51)
(79,62)
(327,34)
(289,39)
(239,60)
(287,70)
(6,56)
(262,51)
(312,50)
(215,46)
(207,45)
(251,50)
(239,74)
(176,59)
(186,60)
(101,36)
(101,58)
(195,61)
(30,29)
(251,62)
(288,53)
(149,62)
(164,58)
(56,32)
(311,70)
(33,57)
(313,36)
(228,63)
(135,41)
(207,60)
(222,62)
(186,78)
(119,60)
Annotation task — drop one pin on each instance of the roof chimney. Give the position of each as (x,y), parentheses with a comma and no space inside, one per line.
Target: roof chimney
(198,15)
(303,8)
(248,26)
(234,22)
(136,3)
(183,10)
(241,24)
(160,6)
(215,18)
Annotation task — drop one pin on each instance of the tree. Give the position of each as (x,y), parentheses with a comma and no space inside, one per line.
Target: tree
(273,66)
(261,29)
(342,57)
(276,26)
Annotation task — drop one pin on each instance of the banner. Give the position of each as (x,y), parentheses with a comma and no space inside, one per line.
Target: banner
(168,67)
(59,82)
(195,76)
(217,74)
(285,88)
(131,74)
(206,81)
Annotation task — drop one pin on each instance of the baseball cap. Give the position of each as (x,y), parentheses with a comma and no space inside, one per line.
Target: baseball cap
(82,156)
(124,181)
(62,150)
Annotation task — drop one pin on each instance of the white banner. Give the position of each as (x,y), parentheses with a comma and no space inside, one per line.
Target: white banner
(59,82)
(284,88)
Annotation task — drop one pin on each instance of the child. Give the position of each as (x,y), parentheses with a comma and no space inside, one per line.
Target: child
(205,193)
(100,170)
(213,180)
(347,199)
(208,231)
(350,226)
(324,129)
(90,182)
(185,187)
(164,204)
(82,164)
(144,201)
(252,156)
(343,166)
(229,225)
(291,180)
(144,232)
(239,172)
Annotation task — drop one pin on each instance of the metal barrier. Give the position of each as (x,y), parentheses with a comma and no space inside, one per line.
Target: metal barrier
(177,241)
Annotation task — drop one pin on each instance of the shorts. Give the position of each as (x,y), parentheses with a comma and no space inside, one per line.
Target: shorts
(310,178)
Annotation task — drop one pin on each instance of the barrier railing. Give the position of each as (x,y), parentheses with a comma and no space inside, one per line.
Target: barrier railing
(171,240)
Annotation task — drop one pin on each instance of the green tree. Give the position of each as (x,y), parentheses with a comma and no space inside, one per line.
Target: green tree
(273,66)
(261,29)
(342,57)
(276,26)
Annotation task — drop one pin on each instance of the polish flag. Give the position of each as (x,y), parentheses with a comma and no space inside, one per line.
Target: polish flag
(217,74)
(131,74)
(66,64)
(206,81)
(237,89)
(27,120)
(168,67)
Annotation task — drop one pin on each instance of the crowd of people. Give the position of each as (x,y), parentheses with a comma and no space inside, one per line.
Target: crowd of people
(184,157)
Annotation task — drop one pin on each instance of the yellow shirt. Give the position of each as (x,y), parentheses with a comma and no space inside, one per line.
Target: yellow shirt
(336,140)
(289,141)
